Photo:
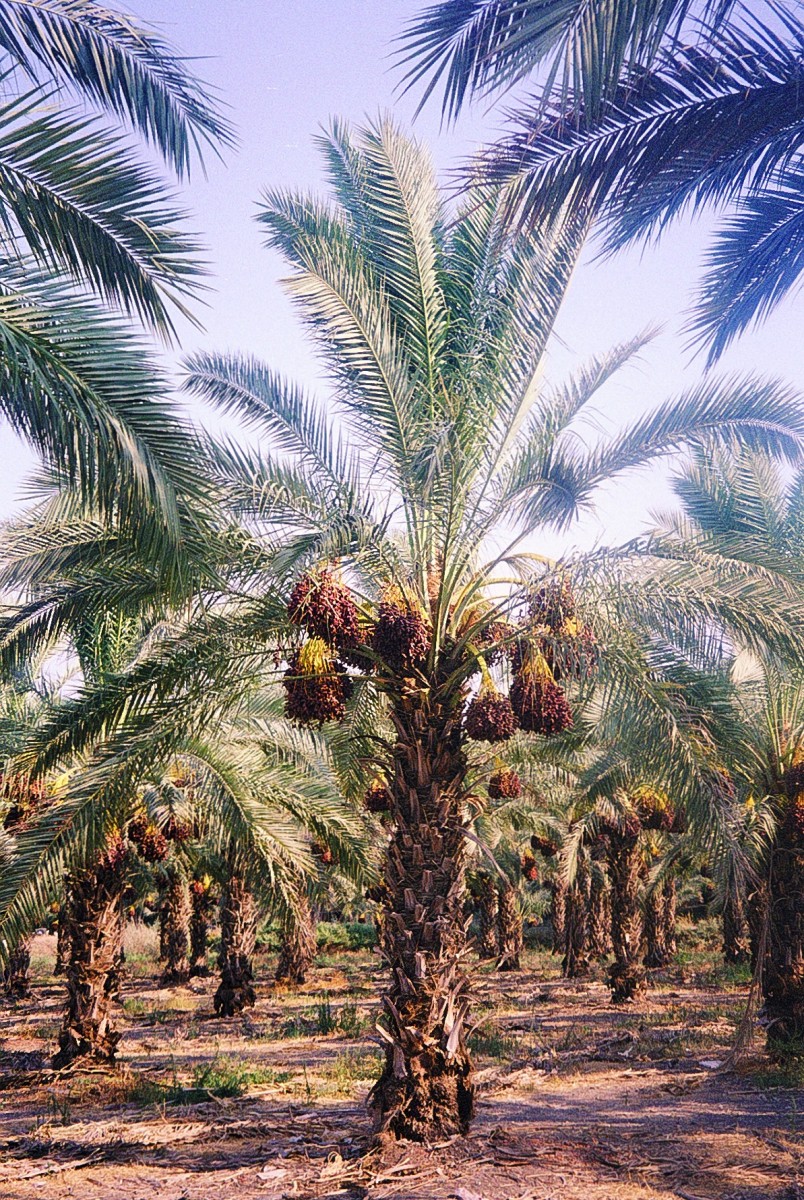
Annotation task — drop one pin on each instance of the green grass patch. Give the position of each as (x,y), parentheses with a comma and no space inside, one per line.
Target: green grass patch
(352,1067)
(221,1078)
(492,1043)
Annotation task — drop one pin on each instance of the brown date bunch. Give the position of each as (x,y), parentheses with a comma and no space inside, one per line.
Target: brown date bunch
(544,845)
(505,785)
(323,605)
(316,687)
(530,870)
(552,603)
(490,718)
(377,798)
(401,636)
(540,705)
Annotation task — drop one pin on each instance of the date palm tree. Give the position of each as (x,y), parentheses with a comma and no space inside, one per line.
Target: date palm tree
(433,325)
(651,110)
(741,510)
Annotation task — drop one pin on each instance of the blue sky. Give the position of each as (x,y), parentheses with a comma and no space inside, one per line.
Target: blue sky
(283,69)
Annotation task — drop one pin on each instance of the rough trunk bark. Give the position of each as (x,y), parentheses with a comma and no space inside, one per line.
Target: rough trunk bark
(509,921)
(736,934)
(17,973)
(200,911)
(599,917)
(558,915)
(238,934)
(783,974)
(63,946)
(163,928)
(757,907)
(575,963)
(93,917)
(426,1089)
(488,943)
(660,935)
(297,952)
(176,908)
(627,972)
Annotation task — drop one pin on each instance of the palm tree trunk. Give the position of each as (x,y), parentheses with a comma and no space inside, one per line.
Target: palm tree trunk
(163,927)
(558,915)
(627,972)
(509,923)
(17,972)
(297,952)
(660,924)
(93,918)
(757,907)
(200,905)
(575,963)
(63,945)
(783,968)
(238,935)
(426,1090)
(736,939)
(176,907)
(599,917)
(670,891)
(488,944)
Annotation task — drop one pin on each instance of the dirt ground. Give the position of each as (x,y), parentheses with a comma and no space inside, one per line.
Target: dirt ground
(578,1100)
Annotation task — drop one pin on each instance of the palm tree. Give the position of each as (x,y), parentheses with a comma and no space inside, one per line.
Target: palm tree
(649,111)
(741,511)
(434,327)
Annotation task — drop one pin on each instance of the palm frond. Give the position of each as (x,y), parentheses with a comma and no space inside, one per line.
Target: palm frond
(121,66)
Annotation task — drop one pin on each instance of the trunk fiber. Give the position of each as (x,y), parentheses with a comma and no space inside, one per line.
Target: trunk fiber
(17,973)
(93,916)
(238,935)
(736,934)
(599,917)
(297,952)
(575,963)
(63,945)
(660,925)
(200,912)
(627,972)
(558,915)
(488,906)
(783,974)
(509,921)
(426,1090)
(176,910)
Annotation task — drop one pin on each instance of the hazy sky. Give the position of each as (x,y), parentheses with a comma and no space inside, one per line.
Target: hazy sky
(284,69)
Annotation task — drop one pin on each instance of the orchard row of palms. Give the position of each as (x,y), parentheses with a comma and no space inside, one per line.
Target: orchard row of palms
(348,609)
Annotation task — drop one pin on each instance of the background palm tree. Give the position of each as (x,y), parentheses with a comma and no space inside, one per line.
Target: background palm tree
(648,111)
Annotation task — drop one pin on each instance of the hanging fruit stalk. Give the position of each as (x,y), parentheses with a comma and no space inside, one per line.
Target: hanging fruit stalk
(537,700)
(316,685)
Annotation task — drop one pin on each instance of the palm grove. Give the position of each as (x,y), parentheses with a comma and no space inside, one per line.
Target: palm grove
(332,658)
